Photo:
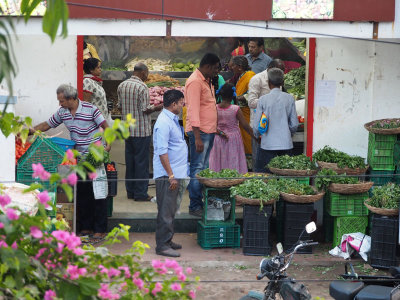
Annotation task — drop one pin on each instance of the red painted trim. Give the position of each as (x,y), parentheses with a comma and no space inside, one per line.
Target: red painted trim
(310,102)
(79,65)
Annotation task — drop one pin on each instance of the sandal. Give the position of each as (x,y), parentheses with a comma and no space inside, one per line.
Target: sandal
(85,233)
(97,238)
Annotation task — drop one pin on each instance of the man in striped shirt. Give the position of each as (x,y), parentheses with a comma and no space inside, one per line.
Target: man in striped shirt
(134,99)
(83,120)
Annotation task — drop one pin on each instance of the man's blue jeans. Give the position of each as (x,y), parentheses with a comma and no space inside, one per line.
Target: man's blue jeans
(198,162)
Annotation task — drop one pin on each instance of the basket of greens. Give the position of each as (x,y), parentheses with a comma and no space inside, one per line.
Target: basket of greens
(221,179)
(384,126)
(343,184)
(255,192)
(299,165)
(330,158)
(384,200)
(293,191)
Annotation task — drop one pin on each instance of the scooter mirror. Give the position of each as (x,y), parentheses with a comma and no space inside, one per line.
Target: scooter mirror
(311,227)
(279,248)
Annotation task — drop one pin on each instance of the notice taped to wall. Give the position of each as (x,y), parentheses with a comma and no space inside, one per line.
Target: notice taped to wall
(325,93)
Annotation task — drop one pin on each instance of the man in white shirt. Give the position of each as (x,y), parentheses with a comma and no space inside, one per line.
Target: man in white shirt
(258,86)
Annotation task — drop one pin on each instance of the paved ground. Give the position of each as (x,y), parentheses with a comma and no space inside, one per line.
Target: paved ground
(228,274)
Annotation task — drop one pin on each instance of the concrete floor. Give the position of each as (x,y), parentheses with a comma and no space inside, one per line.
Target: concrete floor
(127,208)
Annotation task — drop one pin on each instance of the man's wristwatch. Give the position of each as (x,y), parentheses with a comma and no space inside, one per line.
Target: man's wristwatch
(171,176)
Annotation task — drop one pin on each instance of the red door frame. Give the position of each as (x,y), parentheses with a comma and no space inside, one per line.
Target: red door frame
(311,81)
(79,64)
(310,102)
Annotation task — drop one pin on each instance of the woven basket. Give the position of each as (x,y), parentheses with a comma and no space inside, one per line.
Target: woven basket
(348,171)
(219,183)
(302,198)
(292,172)
(248,201)
(347,189)
(381,211)
(369,125)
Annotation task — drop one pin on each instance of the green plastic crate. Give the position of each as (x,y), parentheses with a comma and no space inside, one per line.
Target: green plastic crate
(343,225)
(218,236)
(380,177)
(303,180)
(381,151)
(340,205)
(222,193)
(110,206)
(42,151)
(25,177)
(327,223)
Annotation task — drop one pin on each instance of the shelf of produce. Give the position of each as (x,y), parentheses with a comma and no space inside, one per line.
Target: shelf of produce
(123,75)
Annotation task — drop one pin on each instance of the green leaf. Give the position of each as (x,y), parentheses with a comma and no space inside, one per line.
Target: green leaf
(32,187)
(89,286)
(57,11)
(9,282)
(68,291)
(109,135)
(68,191)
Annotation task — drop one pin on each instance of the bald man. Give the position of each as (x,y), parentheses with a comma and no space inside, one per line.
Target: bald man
(133,97)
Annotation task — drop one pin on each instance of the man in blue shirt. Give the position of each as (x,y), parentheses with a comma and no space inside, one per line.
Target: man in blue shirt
(170,166)
(258,60)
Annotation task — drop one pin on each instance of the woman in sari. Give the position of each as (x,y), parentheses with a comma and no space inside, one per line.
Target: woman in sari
(240,68)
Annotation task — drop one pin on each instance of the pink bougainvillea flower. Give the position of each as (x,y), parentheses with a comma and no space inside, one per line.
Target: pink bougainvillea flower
(138,282)
(72,178)
(39,171)
(113,272)
(49,295)
(4,200)
(126,271)
(74,272)
(105,293)
(3,244)
(181,276)
(98,143)
(14,245)
(12,214)
(192,294)
(189,270)
(79,251)
(1,225)
(64,180)
(40,252)
(70,154)
(156,264)
(176,286)
(36,232)
(44,198)
(157,288)
(93,175)
(172,264)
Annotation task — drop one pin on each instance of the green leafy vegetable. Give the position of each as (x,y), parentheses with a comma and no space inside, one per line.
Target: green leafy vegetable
(386,196)
(343,160)
(295,81)
(256,189)
(224,173)
(299,162)
(327,176)
(292,186)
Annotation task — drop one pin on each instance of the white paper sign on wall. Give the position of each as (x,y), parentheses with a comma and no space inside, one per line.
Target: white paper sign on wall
(325,93)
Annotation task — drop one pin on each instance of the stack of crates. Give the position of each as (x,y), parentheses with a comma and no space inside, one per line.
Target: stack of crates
(218,234)
(256,228)
(381,157)
(344,214)
(296,217)
(42,151)
(384,237)
(279,205)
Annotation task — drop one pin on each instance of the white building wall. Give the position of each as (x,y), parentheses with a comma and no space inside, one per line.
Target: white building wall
(367,79)
(42,67)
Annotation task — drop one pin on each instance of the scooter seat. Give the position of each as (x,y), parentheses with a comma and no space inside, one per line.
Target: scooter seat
(374,292)
(344,290)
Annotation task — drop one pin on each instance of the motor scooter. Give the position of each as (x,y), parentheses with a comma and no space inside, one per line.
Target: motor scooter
(275,270)
(366,287)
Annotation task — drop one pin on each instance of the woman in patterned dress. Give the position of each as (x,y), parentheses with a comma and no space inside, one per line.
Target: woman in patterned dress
(228,149)
(93,90)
